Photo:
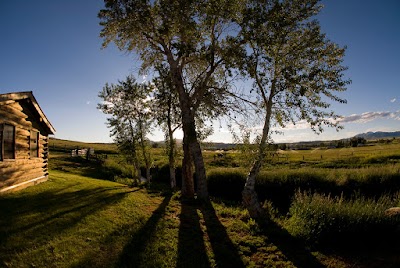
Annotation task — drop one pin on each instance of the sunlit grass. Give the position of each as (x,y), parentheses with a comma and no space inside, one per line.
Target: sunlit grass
(76,221)
(69,219)
(73,220)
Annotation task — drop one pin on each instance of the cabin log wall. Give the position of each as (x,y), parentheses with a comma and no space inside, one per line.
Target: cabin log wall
(24,167)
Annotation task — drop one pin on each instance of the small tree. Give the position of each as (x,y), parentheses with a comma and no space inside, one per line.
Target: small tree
(167,113)
(295,70)
(128,104)
(355,141)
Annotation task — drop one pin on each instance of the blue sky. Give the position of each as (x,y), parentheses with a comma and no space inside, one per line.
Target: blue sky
(52,47)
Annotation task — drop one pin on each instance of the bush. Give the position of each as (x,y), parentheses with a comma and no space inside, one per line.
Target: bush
(226,183)
(279,186)
(117,168)
(225,160)
(325,220)
(161,175)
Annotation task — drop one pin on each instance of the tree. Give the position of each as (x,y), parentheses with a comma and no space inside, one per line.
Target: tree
(167,113)
(166,110)
(295,69)
(195,39)
(283,146)
(355,141)
(128,104)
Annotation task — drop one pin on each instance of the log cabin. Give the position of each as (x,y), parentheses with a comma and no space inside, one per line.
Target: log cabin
(24,136)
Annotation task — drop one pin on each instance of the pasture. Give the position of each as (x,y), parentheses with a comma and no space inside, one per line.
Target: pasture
(324,211)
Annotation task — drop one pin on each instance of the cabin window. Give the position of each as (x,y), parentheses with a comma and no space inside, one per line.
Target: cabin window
(7,138)
(34,144)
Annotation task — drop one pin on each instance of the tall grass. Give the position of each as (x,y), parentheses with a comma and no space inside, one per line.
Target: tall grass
(373,182)
(226,183)
(326,220)
(118,171)
(280,185)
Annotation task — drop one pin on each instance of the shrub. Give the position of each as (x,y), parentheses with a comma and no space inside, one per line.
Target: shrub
(116,168)
(226,183)
(161,174)
(225,160)
(279,186)
(380,159)
(325,220)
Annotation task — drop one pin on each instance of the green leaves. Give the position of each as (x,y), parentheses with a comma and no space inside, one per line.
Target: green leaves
(206,46)
(274,43)
(129,106)
(288,52)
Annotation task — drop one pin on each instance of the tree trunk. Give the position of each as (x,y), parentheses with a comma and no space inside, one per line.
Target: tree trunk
(202,191)
(136,178)
(171,158)
(187,171)
(145,154)
(171,152)
(172,176)
(191,144)
(249,195)
(148,174)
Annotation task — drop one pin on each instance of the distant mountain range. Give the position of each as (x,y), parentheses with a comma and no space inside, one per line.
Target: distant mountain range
(378,135)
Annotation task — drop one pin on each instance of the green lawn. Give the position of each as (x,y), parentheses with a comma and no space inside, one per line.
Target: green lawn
(74,220)
(70,221)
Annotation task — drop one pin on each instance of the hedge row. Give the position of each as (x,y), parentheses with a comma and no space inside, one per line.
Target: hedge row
(330,221)
(279,186)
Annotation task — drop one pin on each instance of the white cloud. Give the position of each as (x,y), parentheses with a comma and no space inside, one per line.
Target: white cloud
(88,102)
(354,118)
(302,124)
(393,100)
(370,116)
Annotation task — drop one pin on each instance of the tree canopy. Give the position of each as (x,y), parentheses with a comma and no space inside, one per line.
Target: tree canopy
(128,104)
(195,40)
(295,71)
(204,45)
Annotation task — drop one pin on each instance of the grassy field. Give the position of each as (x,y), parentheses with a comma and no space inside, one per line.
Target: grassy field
(82,217)
(362,155)
(58,145)
(77,221)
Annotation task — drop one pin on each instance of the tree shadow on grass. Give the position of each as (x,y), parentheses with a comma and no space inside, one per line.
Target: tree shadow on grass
(294,249)
(84,167)
(132,253)
(37,219)
(225,252)
(370,249)
(191,248)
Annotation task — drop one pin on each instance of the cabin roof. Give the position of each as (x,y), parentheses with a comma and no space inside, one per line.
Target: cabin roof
(27,95)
